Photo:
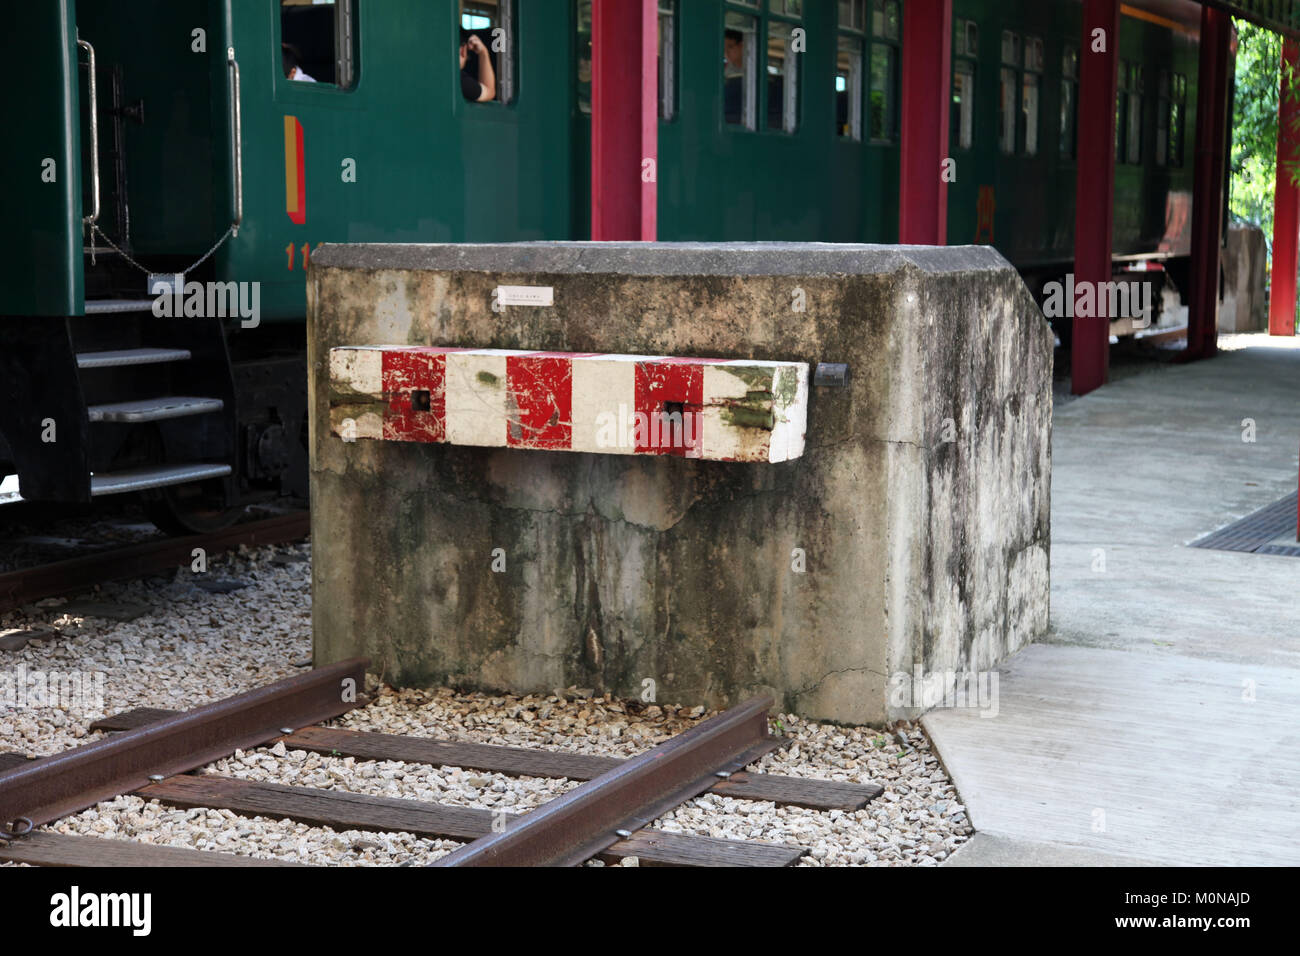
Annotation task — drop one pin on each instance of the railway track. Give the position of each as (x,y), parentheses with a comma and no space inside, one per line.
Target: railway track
(153,753)
(59,578)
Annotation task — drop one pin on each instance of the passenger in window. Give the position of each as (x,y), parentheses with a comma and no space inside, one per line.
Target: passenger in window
(733,74)
(480,84)
(290,57)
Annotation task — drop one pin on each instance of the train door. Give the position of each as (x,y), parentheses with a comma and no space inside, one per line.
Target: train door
(151,361)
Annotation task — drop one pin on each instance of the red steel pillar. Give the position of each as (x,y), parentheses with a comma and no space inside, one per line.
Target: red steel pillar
(1212,82)
(1286,202)
(923,139)
(1094,205)
(624,119)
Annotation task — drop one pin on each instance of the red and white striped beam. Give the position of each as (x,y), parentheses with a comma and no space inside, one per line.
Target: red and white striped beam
(711,409)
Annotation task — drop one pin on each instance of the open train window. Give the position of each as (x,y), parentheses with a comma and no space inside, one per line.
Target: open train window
(740,71)
(1069,102)
(1009,88)
(318,41)
(848,69)
(965,48)
(486,51)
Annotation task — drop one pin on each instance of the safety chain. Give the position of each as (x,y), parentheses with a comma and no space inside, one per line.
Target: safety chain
(204,258)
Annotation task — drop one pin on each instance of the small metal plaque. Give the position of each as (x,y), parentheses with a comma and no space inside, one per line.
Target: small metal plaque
(525,295)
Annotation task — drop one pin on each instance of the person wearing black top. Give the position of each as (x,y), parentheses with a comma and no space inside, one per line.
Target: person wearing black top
(480,86)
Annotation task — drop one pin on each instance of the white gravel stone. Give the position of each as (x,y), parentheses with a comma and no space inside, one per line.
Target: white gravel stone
(195,647)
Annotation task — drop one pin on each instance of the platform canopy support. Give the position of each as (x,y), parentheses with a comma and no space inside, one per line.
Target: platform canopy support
(1286,200)
(1095,185)
(624,119)
(1213,81)
(927,82)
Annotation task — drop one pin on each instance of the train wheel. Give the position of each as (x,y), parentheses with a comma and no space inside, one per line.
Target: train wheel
(188,509)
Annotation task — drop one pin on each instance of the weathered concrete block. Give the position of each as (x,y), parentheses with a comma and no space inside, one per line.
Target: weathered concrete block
(1242,307)
(913,532)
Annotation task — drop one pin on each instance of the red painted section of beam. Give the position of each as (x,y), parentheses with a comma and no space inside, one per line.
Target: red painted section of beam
(657,384)
(540,386)
(624,119)
(405,374)
(923,139)
(1095,185)
(1212,83)
(1286,203)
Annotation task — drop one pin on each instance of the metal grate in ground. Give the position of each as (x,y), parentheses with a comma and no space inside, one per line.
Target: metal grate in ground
(1270,530)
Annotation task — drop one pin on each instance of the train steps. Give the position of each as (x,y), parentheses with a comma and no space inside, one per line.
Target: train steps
(128,376)
(153,476)
(123,357)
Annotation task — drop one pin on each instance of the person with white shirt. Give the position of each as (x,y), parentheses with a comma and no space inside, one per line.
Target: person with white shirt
(291,58)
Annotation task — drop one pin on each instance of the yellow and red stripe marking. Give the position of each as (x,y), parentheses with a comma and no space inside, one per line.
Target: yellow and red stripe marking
(295,177)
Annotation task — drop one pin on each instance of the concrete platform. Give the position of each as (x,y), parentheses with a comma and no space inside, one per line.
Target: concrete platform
(1159,721)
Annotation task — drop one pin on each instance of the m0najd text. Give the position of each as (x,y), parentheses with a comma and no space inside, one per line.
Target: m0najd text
(1159,899)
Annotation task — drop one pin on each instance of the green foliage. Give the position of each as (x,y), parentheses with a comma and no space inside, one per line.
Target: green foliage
(1254,127)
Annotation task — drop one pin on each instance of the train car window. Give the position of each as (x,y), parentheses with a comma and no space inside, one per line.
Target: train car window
(486,51)
(1008,89)
(667,59)
(886,21)
(963,102)
(1162,119)
(1133,141)
(1177,113)
(1121,111)
(318,41)
(782,66)
(886,35)
(853,15)
(848,87)
(582,47)
(1029,89)
(884,105)
(1069,102)
(965,48)
(740,71)
(782,79)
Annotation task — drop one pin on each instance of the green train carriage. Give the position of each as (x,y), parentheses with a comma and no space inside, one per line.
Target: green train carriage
(384,146)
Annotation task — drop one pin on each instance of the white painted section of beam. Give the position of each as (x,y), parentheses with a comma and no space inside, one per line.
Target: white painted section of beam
(604,399)
(361,369)
(476,398)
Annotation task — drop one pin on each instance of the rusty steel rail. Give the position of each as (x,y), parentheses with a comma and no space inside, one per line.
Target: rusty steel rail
(149,557)
(593,817)
(79,778)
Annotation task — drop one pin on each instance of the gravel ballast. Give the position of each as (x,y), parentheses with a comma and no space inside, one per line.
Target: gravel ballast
(191,646)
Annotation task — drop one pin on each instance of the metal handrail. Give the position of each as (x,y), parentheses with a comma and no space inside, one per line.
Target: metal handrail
(237,140)
(94,135)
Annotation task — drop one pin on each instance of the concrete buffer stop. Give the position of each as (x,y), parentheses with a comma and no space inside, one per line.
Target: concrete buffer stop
(489,511)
